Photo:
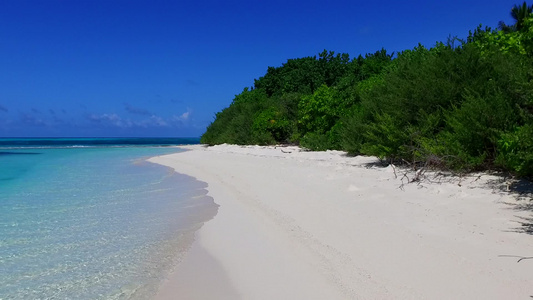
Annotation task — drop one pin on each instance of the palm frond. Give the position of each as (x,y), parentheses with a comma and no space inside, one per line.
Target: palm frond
(505,28)
(519,13)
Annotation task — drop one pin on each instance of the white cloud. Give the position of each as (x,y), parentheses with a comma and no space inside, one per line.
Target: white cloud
(153,121)
(183,117)
(159,121)
(112,119)
(115,120)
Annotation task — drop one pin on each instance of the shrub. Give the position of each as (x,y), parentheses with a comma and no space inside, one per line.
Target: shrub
(270,126)
(352,132)
(320,111)
(515,150)
(315,141)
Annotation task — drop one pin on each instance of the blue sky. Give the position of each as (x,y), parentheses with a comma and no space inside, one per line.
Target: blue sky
(127,68)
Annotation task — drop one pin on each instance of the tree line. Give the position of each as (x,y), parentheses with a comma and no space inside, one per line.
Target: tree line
(461,104)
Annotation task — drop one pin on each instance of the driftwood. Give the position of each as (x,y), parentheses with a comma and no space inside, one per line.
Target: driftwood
(281,149)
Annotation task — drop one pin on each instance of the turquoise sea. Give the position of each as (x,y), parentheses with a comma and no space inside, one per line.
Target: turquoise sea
(91,219)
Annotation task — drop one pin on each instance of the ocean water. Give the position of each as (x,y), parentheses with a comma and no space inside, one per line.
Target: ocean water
(91,219)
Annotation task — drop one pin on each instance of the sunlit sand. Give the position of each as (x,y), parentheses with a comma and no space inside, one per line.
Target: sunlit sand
(321,225)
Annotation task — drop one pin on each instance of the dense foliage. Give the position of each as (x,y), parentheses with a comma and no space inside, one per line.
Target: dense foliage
(463,105)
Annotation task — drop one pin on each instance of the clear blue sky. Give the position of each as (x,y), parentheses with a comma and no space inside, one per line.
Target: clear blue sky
(118,68)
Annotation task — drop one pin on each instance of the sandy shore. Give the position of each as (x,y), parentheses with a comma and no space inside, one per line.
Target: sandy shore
(320,225)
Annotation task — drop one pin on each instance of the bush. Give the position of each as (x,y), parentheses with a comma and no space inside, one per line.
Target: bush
(384,138)
(352,132)
(315,141)
(515,150)
(319,112)
(448,105)
(270,127)
(473,129)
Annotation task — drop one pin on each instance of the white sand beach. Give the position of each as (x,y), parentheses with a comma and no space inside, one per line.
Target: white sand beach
(321,225)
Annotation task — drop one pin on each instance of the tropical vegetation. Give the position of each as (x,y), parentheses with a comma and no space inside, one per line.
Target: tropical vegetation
(461,104)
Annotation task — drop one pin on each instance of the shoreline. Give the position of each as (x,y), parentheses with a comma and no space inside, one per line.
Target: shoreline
(320,225)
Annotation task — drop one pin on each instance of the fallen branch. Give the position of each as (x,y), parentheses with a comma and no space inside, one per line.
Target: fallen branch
(516,256)
(418,175)
(394,169)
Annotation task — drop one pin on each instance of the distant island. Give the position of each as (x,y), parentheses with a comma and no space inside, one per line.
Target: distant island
(462,104)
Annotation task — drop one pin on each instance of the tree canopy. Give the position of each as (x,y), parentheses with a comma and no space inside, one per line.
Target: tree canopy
(464,105)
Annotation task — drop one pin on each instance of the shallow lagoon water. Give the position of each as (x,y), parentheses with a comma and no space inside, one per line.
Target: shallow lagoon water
(93,223)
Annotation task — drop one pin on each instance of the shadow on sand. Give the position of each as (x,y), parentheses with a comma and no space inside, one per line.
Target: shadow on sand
(522,190)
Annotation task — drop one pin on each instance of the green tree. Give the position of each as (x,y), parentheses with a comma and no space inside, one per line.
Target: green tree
(271,126)
(319,112)
(519,13)
(234,123)
(332,66)
(304,75)
(508,42)
(373,63)
(301,75)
